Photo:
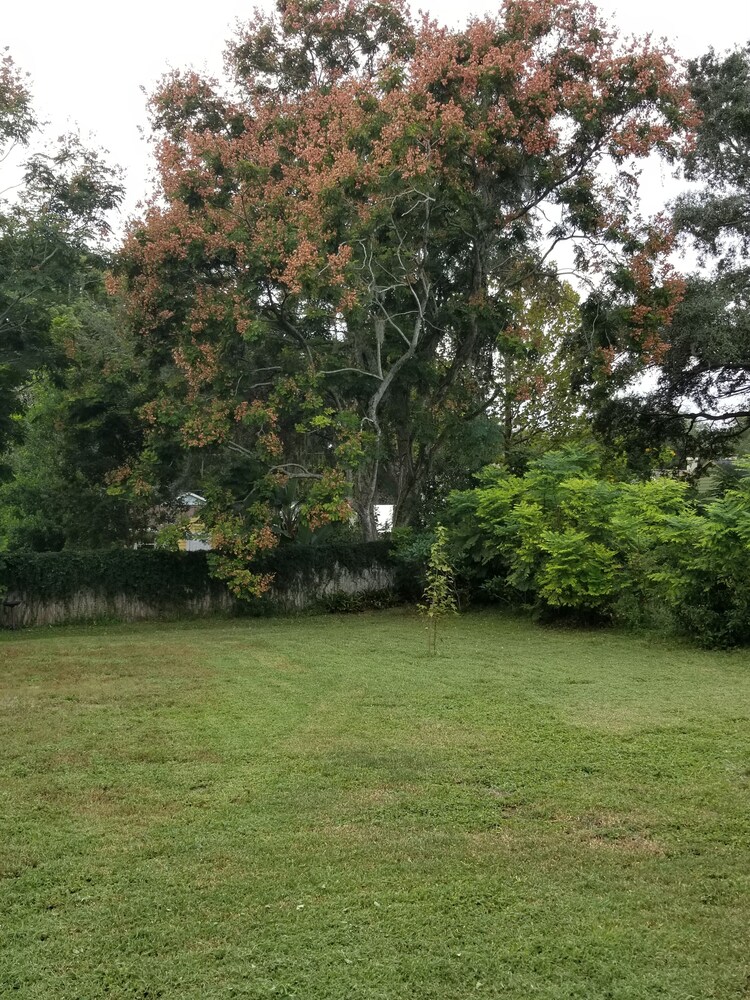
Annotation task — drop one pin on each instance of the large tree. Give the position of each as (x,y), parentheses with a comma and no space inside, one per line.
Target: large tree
(700,400)
(328,277)
(708,364)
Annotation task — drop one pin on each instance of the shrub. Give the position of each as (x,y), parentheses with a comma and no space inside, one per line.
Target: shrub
(565,538)
(710,582)
(411,553)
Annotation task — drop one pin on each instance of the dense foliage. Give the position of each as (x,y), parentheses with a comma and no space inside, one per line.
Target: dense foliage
(69,380)
(79,427)
(335,278)
(572,537)
(382,258)
(700,401)
(172,578)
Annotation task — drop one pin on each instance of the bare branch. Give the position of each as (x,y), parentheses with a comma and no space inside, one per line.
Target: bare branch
(359,371)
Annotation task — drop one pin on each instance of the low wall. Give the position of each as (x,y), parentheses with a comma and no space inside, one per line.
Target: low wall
(300,594)
(55,588)
(88,605)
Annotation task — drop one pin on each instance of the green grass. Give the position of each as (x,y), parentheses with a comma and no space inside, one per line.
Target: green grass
(315,808)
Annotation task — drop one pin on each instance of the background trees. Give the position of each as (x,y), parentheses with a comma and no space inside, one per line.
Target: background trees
(68,378)
(79,429)
(51,255)
(700,403)
(351,286)
(708,363)
(333,278)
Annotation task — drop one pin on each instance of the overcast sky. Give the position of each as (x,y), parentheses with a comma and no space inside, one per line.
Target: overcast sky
(89,60)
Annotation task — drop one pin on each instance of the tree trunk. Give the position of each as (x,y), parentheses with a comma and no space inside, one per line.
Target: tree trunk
(368,522)
(364,506)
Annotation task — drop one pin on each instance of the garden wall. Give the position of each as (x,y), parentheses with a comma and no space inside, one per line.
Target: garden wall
(128,585)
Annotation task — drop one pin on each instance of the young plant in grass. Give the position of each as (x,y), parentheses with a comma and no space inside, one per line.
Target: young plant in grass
(440,593)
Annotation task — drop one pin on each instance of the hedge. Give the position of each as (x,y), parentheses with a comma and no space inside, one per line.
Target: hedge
(153,575)
(302,563)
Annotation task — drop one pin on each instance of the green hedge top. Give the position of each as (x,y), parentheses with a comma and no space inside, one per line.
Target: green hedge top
(300,563)
(154,575)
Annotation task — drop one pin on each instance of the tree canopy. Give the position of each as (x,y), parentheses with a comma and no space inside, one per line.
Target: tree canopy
(709,356)
(68,377)
(382,254)
(700,402)
(52,235)
(329,277)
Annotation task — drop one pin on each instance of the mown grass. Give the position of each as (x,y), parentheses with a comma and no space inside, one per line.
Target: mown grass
(317,809)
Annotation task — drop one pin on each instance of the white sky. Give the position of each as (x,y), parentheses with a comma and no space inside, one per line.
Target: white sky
(88,60)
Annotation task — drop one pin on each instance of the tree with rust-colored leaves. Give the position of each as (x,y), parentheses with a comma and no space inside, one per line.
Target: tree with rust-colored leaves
(329,274)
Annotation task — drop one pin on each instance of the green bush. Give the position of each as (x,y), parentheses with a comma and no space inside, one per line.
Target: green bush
(710,579)
(563,536)
(567,539)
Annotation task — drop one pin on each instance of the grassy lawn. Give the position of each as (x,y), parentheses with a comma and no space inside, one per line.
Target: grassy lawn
(314,808)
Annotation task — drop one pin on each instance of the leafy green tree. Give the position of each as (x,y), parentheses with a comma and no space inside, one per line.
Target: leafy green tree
(708,363)
(52,242)
(328,280)
(68,373)
(700,404)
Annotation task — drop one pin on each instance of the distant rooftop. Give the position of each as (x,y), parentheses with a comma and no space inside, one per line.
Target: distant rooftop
(191,499)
